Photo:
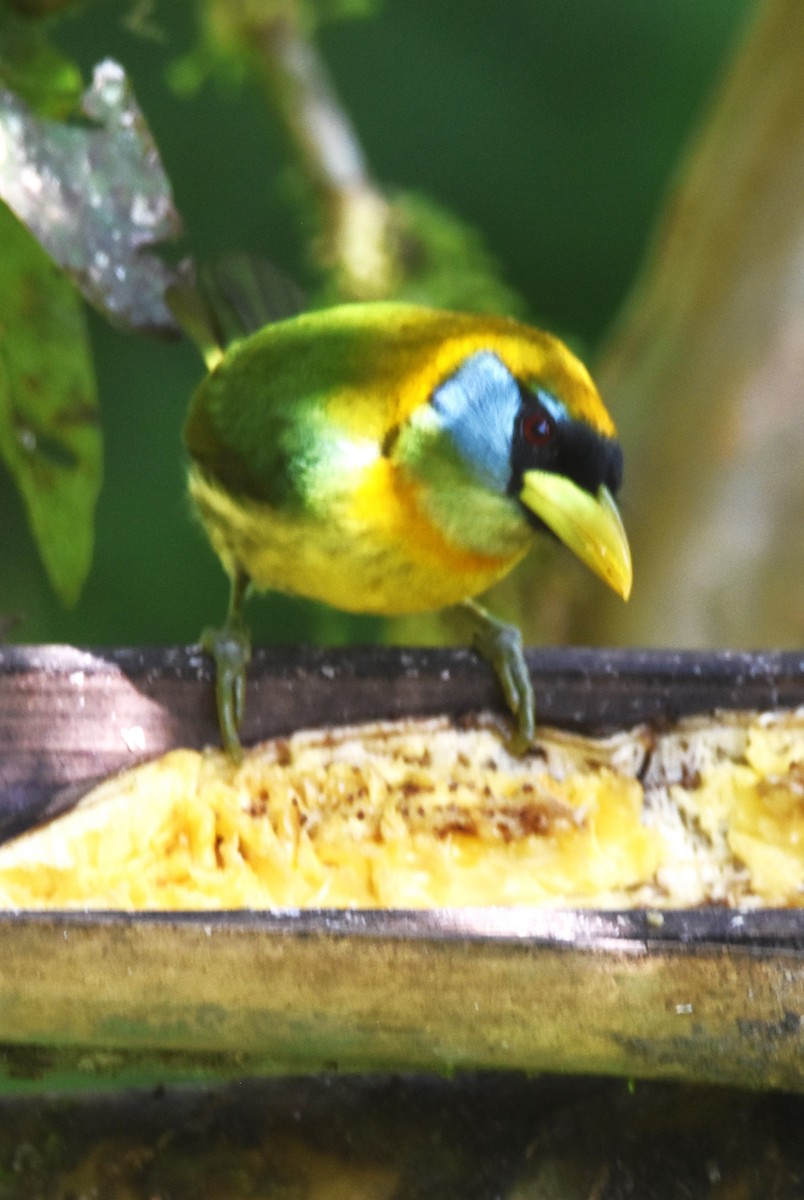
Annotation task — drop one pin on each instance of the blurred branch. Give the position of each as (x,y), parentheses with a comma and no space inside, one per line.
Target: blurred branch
(359,236)
(704,373)
(371,244)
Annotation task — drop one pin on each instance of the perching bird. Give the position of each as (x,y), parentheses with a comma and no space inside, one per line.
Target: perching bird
(384,458)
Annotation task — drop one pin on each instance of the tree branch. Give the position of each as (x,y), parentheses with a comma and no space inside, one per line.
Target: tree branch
(359,238)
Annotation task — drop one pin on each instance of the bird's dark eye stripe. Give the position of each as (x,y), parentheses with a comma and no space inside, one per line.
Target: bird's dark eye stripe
(547,439)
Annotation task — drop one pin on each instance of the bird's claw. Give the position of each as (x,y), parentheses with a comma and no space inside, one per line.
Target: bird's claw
(230,647)
(500,644)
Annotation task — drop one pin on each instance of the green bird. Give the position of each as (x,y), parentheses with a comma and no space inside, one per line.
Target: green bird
(385,458)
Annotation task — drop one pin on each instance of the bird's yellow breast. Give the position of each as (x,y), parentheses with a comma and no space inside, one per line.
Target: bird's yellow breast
(373,550)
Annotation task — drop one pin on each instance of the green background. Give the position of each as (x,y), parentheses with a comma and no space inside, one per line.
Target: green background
(553,126)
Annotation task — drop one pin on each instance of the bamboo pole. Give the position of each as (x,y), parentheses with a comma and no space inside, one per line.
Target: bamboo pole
(705,373)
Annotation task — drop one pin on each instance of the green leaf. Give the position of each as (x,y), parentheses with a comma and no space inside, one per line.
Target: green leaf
(96,198)
(32,68)
(49,434)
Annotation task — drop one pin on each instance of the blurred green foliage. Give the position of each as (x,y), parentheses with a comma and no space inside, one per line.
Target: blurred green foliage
(551,128)
(48,81)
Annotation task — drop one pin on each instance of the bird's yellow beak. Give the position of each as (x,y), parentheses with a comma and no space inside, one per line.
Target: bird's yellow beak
(590,526)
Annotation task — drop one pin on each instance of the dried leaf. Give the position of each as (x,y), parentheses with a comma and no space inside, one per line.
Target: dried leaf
(96,197)
(49,435)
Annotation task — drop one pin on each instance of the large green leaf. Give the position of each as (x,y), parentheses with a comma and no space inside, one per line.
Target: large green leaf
(49,434)
(95,196)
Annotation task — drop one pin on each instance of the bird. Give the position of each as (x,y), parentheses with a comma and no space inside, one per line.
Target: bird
(387,458)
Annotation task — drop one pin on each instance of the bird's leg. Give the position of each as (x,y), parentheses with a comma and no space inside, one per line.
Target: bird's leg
(230,646)
(501,646)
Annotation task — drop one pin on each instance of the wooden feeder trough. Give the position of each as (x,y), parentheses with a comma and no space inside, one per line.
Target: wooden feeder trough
(708,994)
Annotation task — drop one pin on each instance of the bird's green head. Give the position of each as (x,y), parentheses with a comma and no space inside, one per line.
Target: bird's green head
(528,423)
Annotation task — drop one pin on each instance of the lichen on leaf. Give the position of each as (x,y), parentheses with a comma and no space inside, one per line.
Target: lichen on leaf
(95,196)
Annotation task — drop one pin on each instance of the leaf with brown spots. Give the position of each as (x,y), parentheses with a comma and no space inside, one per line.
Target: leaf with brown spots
(49,434)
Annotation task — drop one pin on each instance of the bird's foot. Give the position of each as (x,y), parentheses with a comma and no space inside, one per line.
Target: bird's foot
(500,644)
(230,647)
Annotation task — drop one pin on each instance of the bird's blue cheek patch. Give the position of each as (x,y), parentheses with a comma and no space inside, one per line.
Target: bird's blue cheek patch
(477,408)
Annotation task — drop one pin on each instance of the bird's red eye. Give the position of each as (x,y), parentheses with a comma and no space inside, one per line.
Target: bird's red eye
(537,427)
